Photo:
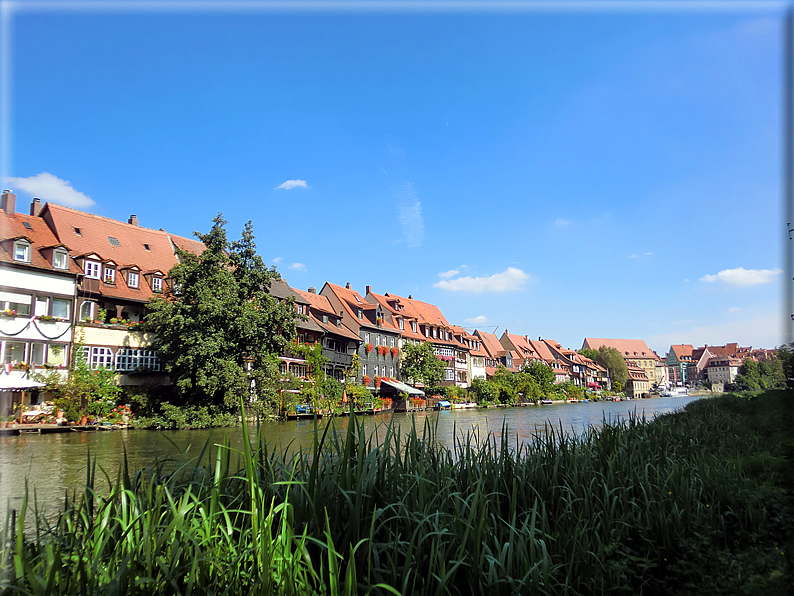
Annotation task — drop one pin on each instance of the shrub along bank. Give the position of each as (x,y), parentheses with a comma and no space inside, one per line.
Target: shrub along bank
(693,502)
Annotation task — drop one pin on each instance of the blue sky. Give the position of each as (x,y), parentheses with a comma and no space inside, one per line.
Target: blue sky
(565,175)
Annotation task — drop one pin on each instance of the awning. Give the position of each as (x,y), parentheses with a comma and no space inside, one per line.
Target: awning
(444,403)
(403,387)
(9,383)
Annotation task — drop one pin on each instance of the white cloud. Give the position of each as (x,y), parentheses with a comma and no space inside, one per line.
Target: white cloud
(298,267)
(51,188)
(277,259)
(448,274)
(645,254)
(509,280)
(478,320)
(561,223)
(290,184)
(410,214)
(734,309)
(742,277)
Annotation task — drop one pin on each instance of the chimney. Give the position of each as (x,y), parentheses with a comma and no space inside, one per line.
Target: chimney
(347,285)
(410,297)
(312,290)
(369,291)
(35,207)
(8,203)
(133,220)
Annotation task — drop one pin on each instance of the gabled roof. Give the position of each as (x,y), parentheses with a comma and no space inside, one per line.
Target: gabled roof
(628,348)
(490,343)
(124,243)
(423,312)
(187,244)
(320,304)
(682,351)
(40,236)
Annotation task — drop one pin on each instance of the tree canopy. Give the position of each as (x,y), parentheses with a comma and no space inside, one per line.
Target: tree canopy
(217,319)
(420,364)
(611,360)
(759,376)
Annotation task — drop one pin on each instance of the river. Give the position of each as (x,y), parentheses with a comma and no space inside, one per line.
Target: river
(53,464)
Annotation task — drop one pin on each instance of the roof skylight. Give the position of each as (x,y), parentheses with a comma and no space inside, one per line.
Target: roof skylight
(27,225)
(113,241)
(78,232)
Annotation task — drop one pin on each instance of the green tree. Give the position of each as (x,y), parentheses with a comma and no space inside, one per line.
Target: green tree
(217,328)
(610,359)
(421,365)
(542,373)
(749,376)
(484,391)
(504,383)
(86,390)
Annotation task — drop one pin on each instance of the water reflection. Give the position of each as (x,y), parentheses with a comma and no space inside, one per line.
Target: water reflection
(54,464)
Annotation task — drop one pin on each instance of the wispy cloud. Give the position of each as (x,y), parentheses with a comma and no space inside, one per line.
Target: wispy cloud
(740,276)
(448,274)
(290,184)
(51,188)
(298,267)
(410,213)
(561,223)
(645,254)
(509,280)
(277,259)
(478,320)
(734,309)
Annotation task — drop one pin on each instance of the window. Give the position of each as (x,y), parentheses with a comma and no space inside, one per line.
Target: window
(78,232)
(391,372)
(157,286)
(402,325)
(87,311)
(128,360)
(91,269)
(42,307)
(56,354)
(325,318)
(339,322)
(450,374)
(22,251)
(375,370)
(360,314)
(413,326)
(98,357)
(60,259)
(363,370)
(435,333)
(113,241)
(27,225)
(38,354)
(132,279)
(146,247)
(15,352)
(110,275)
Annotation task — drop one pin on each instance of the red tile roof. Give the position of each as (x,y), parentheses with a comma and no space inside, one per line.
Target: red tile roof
(628,348)
(40,236)
(320,304)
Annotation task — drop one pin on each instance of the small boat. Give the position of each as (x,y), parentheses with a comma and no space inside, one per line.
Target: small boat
(573,400)
(547,401)
(443,405)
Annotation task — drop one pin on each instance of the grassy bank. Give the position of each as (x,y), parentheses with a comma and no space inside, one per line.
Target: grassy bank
(694,502)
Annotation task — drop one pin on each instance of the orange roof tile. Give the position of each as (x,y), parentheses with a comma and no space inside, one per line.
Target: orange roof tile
(40,236)
(628,348)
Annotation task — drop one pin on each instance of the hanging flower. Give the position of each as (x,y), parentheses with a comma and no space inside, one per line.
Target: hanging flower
(394,351)
(366,380)
(378,381)
(368,347)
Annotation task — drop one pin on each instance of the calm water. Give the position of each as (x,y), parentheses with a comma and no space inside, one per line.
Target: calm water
(55,463)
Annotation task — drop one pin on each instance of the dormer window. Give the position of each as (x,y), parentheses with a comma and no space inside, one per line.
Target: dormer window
(325,318)
(157,284)
(110,275)
(339,322)
(402,325)
(91,269)
(60,259)
(22,251)
(360,314)
(413,326)
(132,279)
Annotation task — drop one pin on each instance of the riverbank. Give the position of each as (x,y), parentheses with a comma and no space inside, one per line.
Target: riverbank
(693,502)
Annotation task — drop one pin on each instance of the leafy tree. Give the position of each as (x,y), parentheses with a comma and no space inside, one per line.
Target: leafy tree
(749,376)
(484,391)
(542,373)
(217,328)
(610,359)
(85,391)
(420,364)
(504,383)
(527,385)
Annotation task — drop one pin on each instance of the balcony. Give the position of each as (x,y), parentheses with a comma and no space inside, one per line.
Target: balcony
(338,358)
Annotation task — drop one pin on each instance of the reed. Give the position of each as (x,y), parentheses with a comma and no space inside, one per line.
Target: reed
(637,506)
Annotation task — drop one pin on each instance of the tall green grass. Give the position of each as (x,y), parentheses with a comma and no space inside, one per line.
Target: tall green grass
(635,507)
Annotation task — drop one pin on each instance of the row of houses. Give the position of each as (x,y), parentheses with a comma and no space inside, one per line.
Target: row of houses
(717,365)
(70,276)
